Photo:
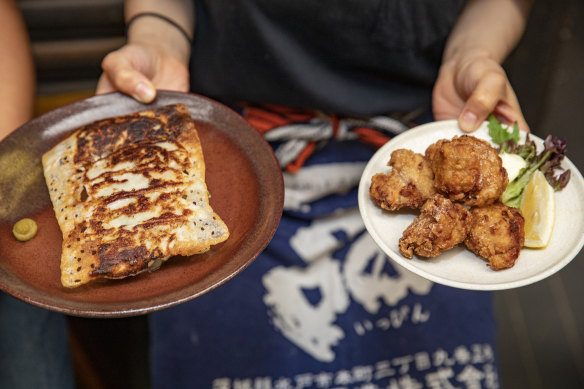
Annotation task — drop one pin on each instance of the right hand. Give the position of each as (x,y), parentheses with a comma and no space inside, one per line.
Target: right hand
(470,88)
(138,70)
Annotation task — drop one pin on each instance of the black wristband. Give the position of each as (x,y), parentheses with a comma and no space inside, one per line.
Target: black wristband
(162,17)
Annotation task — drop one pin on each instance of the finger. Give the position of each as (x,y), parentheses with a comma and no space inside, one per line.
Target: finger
(509,112)
(104,85)
(124,77)
(446,104)
(484,98)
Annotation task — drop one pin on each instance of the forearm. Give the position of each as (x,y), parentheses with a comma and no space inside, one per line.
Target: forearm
(152,30)
(17,77)
(488,27)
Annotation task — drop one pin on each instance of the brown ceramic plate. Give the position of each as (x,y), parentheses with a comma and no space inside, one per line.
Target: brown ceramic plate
(243,177)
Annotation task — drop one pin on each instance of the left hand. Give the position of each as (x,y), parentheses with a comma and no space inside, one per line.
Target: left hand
(471,87)
(139,69)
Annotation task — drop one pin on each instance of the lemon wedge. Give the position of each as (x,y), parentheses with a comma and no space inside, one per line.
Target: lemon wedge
(538,208)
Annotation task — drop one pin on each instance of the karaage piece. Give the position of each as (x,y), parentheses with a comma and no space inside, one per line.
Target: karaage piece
(467,169)
(497,234)
(408,184)
(433,148)
(440,226)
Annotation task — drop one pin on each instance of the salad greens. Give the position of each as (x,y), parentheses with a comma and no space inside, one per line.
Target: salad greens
(499,134)
(549,160)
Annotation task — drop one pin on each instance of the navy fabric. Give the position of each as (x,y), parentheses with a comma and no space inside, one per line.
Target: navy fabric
(34,350)
(322,307)
(346,56)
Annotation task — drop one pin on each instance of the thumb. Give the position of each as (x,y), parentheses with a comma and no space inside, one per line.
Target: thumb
(104,85)
(121,75)
(489,90)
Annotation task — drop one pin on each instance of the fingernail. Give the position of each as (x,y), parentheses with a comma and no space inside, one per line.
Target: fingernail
(144,93)
(468,121)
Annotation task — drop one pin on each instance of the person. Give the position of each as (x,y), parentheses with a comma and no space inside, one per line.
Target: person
(322,306)
(34,351)
(17,75)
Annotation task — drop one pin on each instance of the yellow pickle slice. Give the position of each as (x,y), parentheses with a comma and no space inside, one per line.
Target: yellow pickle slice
(24,229)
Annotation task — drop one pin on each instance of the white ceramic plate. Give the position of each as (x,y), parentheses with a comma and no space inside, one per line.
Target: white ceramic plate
(459,267)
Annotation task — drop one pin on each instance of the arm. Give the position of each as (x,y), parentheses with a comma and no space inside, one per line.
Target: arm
(156,54)
(471,83)
(17,77)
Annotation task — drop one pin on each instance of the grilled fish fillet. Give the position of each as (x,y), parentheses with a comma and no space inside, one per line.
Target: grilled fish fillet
(128,193)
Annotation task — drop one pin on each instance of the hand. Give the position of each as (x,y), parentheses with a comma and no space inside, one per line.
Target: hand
(470,88)
(139,69)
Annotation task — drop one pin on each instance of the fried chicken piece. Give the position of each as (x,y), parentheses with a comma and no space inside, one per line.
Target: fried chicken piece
(497,234)
(440,226)
(433,149)
(408,185)
(467,169)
